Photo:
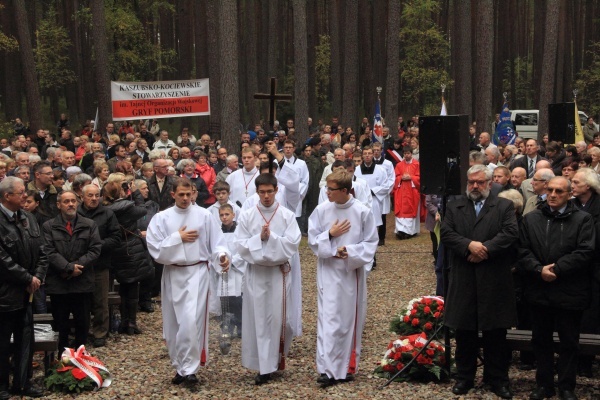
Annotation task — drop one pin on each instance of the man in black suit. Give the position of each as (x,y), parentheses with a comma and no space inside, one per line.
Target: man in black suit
(480,231)
(530,159)
(161,185)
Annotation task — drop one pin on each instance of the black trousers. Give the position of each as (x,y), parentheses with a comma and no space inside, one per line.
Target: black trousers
(495,368)
(381,229)
(544,321)
(12,324)
(78,304)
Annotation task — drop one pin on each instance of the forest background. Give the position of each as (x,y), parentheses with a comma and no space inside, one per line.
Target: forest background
(60,56)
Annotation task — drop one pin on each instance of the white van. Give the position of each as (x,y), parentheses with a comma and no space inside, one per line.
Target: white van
(526,122)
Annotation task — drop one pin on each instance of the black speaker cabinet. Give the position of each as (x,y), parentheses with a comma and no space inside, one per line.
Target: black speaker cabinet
(444,154)
(561,122)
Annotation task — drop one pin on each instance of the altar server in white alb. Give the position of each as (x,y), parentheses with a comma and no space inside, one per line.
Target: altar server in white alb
(267,236)
(343,235)
(360,189)
(241,181)
(186,239)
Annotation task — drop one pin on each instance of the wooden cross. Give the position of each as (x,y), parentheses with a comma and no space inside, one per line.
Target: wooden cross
(273,98)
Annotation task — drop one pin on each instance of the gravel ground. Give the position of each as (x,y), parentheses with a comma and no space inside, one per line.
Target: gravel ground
(141,368)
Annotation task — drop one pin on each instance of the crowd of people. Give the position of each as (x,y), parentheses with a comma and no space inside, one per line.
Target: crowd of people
(205,226)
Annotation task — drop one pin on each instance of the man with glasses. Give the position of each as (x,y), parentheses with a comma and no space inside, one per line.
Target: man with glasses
(480,231)
(539,183)
(161,185)
(556,251)
(23,266)
(42,183)
(221,160)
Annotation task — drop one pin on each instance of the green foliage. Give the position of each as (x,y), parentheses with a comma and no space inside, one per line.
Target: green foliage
(322,73)
(7,129)
(425,52)
(588,83)
(523,82)
(7,43)
(52,61)
(66,382)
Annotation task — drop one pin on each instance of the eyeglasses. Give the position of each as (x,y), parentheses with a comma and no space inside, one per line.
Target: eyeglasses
(538,180)
(557,191)
(479,183)
(330,189)
(265,192)
(18,193)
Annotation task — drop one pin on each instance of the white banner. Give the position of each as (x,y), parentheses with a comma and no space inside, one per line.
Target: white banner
(165,99)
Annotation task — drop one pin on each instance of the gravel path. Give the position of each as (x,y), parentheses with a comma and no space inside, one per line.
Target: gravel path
(141,368)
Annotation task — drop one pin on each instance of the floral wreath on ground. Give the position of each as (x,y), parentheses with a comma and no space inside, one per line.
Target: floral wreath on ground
(415,325)
(76,372)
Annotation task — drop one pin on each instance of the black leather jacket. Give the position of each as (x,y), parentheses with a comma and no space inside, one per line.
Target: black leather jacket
(21,258)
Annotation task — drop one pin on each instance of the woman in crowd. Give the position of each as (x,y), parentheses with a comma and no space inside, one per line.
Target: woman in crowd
(569,168)
(101,172)
(173,154)
(187,168)
(130,260)
(207,173)
(594,152)
(58,179)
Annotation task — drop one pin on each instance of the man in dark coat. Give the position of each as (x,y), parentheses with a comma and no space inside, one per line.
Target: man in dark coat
(23,266)
(480,230)
(108,228)
(557,243)
(73,245)
(161,185)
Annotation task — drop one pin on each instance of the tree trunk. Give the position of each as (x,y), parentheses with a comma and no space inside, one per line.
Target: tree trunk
(300,71)
(350,100)
(214,59)
(228,54)
(250,50)
(483,72)
(336,65)
(368,86)
(393,62)
(185,45)
(312,41)
(539,38)
(263,71)
(102,69)
(560,61)
(12,68)
(462,58)
(201,54)
(32,90)
(548,66)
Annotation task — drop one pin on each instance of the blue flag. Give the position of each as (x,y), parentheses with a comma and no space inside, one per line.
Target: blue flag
(505,132)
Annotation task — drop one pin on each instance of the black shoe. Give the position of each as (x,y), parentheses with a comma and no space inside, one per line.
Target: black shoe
(30,391)
(348,378)
(540,393)
(191,379)
(99,342)
(381,243)
(567,395)
(585,372)
(147,307)
(502,391)
(323,378)
(4,395)
(177,379)
(262,379)
(526,367)
(462,387)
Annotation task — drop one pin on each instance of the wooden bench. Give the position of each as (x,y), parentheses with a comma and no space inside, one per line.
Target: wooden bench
(48,344)
(520,340)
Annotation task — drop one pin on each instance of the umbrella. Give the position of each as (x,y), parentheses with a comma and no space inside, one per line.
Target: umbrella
(23,362)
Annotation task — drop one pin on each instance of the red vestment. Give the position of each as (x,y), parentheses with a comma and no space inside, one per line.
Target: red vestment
(407,197)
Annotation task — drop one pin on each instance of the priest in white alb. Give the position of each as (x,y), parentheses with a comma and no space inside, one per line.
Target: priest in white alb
(267,237)
(343,235)
(186,239)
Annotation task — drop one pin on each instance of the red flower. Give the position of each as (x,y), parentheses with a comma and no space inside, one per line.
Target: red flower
(78,374)
(415,322)
(413,311)
(389,368)
(428,301)
(436,315)
(427,310)
(399,366)
(406,319)
(430,352)
(428,326)
(441,308)
(415,305)
(397,356)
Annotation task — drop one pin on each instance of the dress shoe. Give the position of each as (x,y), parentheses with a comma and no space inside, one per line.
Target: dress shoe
(348,378)
(191,379)
(29,391)
(177,379)
(147,307)
(567,395)
(540,393)
(99,342)
(4,395)
(462,387)
(381,243)
(502,391)
(262,379)
(323,378)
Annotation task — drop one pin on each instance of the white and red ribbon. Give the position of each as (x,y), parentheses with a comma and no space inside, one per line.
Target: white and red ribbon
(86,363)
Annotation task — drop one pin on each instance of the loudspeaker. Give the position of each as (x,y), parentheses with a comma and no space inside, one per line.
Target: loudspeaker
(561,122)
(444,154)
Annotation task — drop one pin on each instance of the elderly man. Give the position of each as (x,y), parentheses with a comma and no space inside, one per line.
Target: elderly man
(231,165)
(108,228)
(23,266)
(539,184)
(517,177)
(529,162)
(42,183)
(161,185)
(485,141)
(526,188)
(73,245)
(163,143)
(556,251)
(67,159)
(589,130)
(338,154)
(480,231)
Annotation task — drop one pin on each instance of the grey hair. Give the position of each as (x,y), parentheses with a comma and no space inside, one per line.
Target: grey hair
(546,174)
(480,168)
(80,179)
(61,194)
(8,185)
(88,187)
(590,177)
(156,154)
(34,158)
(514,196)
(184,163)
(22,167)
(231,157)
(139,182)
(477,156)
(51,151)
